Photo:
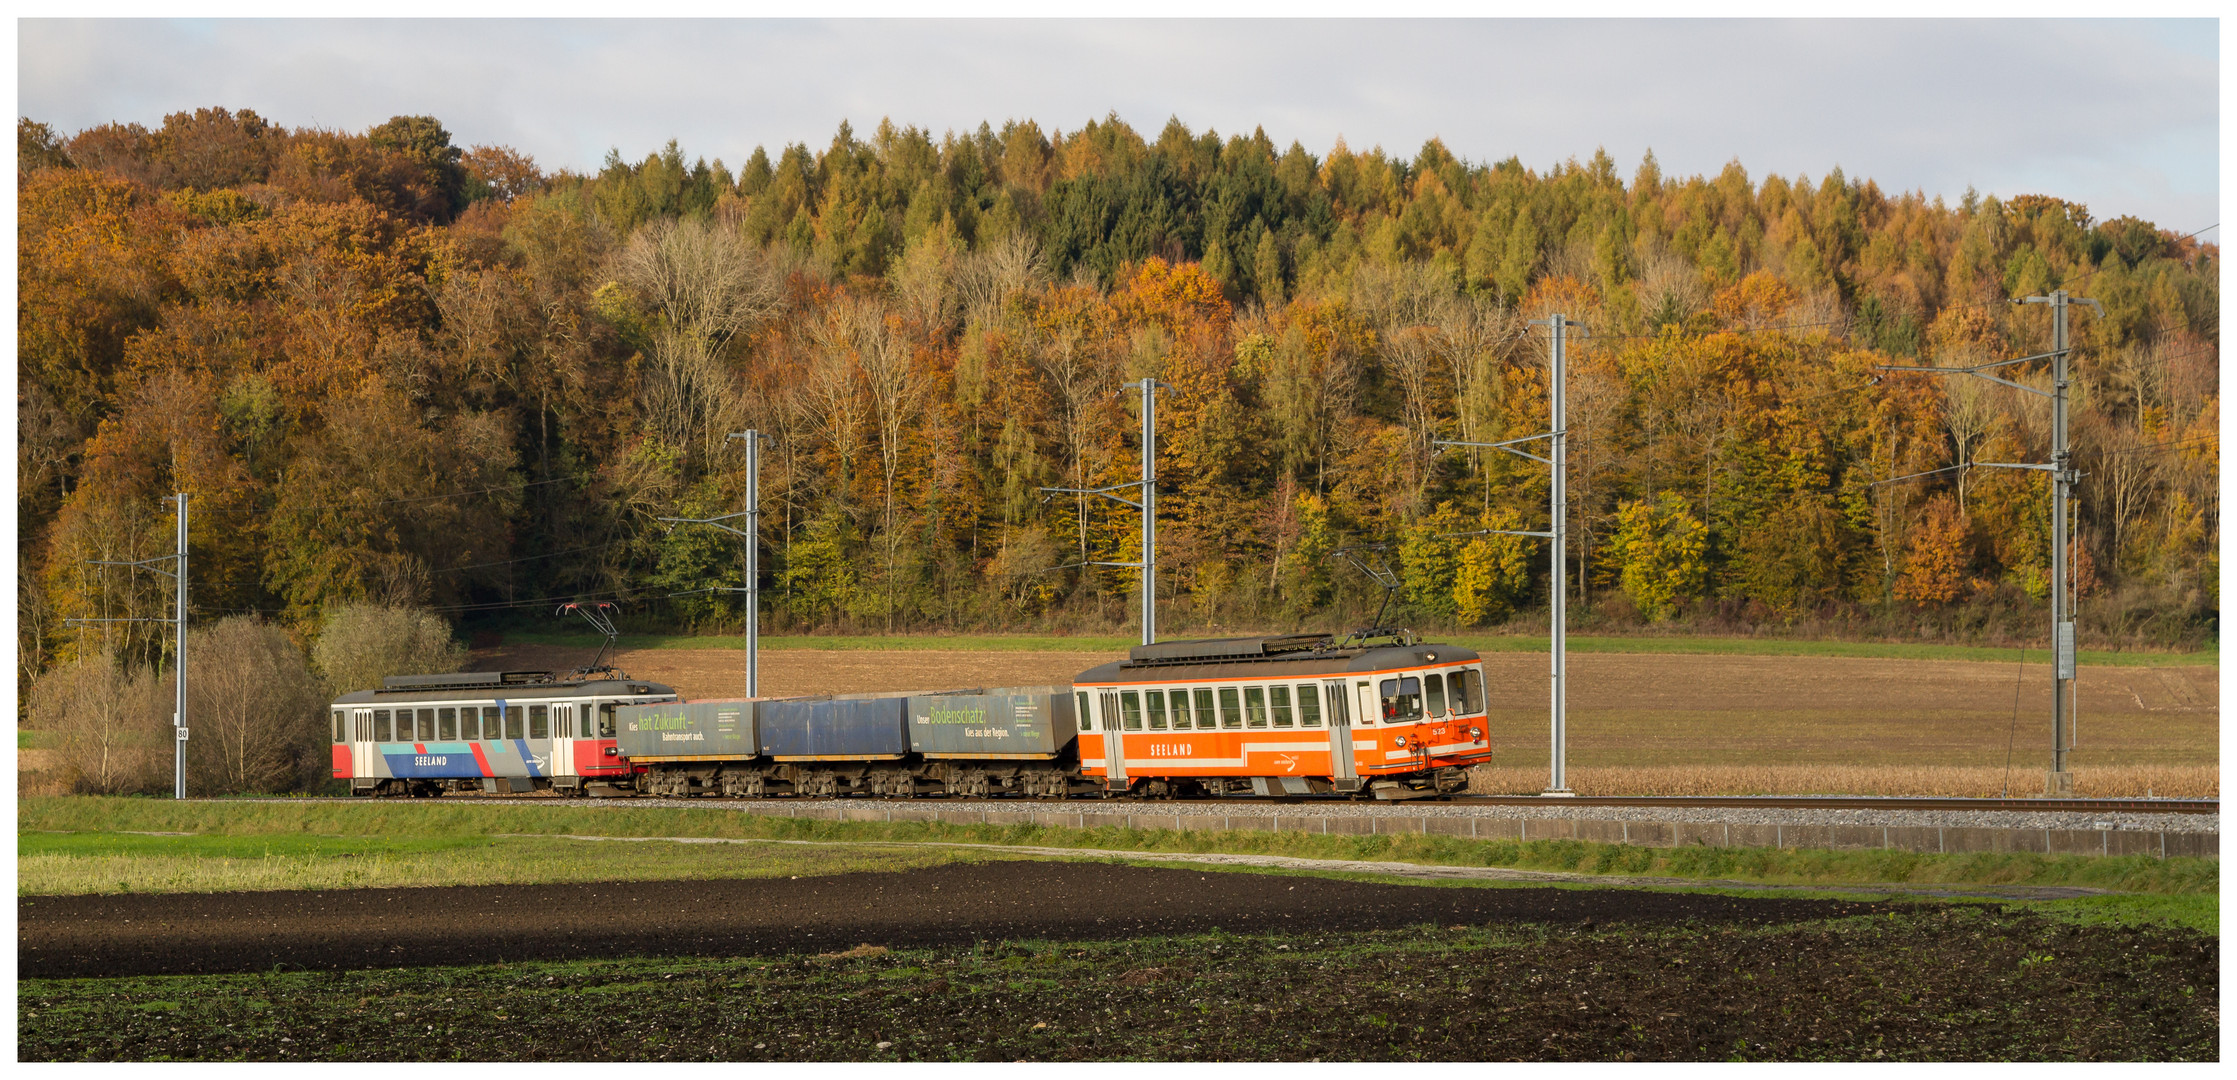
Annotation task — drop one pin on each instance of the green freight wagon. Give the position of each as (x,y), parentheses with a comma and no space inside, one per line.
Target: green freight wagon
(687,731)
(1016,723)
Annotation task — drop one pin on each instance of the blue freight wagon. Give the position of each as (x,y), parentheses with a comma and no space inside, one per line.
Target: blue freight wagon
(834,729)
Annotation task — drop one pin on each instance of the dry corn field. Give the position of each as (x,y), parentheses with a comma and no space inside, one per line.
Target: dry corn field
(1762,725)
(1678,725)
(1646,724)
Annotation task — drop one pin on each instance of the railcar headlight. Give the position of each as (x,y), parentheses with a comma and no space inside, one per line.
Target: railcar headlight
(1475,733)
(1401,740)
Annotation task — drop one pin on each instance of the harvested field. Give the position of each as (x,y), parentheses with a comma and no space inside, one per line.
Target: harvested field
(1663,724)
(1091,962)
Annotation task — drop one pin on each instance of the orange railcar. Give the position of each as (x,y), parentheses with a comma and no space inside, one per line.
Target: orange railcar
(1299,714)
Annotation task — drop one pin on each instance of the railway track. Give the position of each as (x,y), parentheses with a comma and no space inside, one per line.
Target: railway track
(1854,802)
(1759,802)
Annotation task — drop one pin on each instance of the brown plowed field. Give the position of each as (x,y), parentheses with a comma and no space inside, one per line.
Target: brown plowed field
(77,936)
(1625,710)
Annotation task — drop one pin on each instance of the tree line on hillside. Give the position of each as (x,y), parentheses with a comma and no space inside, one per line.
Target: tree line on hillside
(398,372)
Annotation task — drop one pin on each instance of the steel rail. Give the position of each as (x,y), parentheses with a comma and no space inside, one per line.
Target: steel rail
(1858,802)
(1673,802)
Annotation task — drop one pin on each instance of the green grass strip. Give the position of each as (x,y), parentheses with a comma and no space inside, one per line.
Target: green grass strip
(1489,643)
(463,817)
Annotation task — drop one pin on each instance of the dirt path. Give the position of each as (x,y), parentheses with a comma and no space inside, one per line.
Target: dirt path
(79,936)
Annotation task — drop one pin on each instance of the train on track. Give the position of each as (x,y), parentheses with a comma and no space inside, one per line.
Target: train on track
(1377,714)
(498,732)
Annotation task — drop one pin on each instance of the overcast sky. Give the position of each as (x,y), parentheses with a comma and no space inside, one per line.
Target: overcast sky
(2122,116)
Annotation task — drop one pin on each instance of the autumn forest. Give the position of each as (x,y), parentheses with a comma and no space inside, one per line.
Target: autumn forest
(392,369)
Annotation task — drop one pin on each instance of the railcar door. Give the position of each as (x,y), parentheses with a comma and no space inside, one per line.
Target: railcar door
(362,747)
(1114,741)
(559,753)
(1340,735)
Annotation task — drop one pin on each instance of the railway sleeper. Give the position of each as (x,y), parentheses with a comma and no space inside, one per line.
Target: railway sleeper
(982,779)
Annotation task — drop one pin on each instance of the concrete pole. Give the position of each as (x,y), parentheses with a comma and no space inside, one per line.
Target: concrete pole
(1149,511)
(178,715)
(1560,584)
(2060,781)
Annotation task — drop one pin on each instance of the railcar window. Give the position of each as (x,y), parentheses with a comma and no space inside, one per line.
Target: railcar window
(493,722)
(1179,698)
(606,720)
(513,722)
(539,722)
(1467,697)
(1230,707)
(469,723)
(1367,709)
(1401,700)
(1254,705)
(1436,687)
(1205,720)
(582,713)
(1156,702)
(1086,723)
(341,727)
(1277,697)
(1308,705)
(1130,710)
(427,725)
(446,724)
(380,725)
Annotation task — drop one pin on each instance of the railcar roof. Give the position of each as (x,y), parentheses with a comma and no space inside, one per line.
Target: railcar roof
(518,692)
(1288,665)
